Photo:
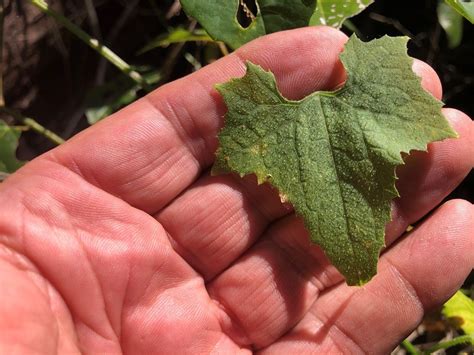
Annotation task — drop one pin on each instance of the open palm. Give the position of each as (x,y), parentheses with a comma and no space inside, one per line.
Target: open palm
(120,241)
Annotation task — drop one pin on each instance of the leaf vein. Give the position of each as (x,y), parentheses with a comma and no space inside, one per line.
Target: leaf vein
(351,237)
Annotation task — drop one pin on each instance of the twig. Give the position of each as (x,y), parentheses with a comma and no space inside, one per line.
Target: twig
(193,61)
(173,10)
(170,60)
(395,23)
(122,20)
(101,67)
(93,19)
(21,128)
(223,48)
(34,125)
(434,44)
(93,43)
(157,13)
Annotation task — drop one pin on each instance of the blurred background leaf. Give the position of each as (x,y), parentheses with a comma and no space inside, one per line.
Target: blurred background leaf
(177,35)
(452,23)
(8,144)
(334,12)
(460,309)
(465,8)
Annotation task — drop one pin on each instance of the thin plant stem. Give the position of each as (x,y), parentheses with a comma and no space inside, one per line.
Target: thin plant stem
(170,60)
(93,19)
(410,348)
(104,51)
(351,27)
(396,24)
(21,128)
(112,35)
(223,48)
(173,10)
(34,125)
(463,339)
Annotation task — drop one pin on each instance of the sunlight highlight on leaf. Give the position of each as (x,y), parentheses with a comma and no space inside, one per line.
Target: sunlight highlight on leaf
(461,308)
(334,13)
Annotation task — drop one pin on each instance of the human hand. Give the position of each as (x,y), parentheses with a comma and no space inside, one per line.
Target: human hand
(120,241)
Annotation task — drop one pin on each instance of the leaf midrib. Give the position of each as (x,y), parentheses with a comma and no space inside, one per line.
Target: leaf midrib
(337,177)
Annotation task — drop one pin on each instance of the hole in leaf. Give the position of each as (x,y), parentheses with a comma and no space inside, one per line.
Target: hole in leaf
(246,12)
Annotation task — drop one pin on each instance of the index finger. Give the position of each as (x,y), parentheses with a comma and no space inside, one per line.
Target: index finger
(149,152)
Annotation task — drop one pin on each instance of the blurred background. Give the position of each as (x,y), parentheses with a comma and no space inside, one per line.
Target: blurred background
(55,78)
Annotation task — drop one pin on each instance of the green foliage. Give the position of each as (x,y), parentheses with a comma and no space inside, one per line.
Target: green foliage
(444,345)
(333,13)
(333,154)
(460,308)
(221,19)
(176,35)
(465,8)
(8,143)
(452,23)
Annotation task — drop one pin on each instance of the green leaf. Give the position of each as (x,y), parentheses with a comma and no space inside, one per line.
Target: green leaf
(333,154)
(333,13)
(8,144)
(279,15)
(221,18)
(461,309)
(465,8)
(177,35)
(452,23)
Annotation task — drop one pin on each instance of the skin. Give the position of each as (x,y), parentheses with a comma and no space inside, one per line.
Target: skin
(120,241)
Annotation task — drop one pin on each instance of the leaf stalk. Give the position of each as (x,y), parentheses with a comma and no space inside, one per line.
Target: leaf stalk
(34,125)
(463,339)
